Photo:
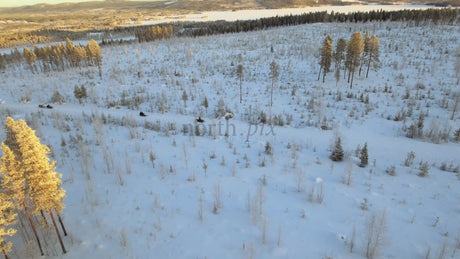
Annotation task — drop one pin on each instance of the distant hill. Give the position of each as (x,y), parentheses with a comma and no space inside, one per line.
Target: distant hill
(193,5)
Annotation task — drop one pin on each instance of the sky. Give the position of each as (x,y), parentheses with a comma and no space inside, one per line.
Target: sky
(14,3)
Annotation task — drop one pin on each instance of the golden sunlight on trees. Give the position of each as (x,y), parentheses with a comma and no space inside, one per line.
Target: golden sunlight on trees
(29,179)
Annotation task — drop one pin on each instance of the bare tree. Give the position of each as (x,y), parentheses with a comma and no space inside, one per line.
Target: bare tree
(240,74)
(456,98)
(274,73)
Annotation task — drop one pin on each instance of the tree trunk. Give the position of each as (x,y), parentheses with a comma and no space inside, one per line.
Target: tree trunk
(368,66)
(33,227)
(57,231)
(4,253)
(454,110)
(271,94)
(100,70)
(62,224)
(324,75)
(352,76)
(241,91)
(319,74)
(43,216)
(349,75)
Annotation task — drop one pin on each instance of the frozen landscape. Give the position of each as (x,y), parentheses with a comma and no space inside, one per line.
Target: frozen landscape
(148,187)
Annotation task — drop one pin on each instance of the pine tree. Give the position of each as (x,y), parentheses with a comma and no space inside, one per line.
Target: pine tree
(354,49)
(7,218)
(326,57)
(70,52)
(13,177)
(43,182)
(364,156)
(339,56)
(457,135)
(30,58)
(366,51)
(337,152)
(95,55)
(374,53)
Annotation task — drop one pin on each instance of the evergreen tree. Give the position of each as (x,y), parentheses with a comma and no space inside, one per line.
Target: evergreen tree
(339,56)
(364,156)
(95,55)
(326,57)
(7,218)
(457,135)
(13,177)
(374,53)
(70,52)
(354,49)
(337,152)
(366,51)
(30,58)
(43,182)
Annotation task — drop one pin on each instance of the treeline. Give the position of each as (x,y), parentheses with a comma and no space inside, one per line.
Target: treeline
(57,57)
(8,40)
(154,33)
(195,29)
(417,17)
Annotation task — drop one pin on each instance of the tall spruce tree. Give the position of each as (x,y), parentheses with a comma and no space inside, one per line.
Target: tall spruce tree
(354,49)
(364,158)
(337,152)
(326,57)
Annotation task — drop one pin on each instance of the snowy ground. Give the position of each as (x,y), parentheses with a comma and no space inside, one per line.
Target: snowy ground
(214,196)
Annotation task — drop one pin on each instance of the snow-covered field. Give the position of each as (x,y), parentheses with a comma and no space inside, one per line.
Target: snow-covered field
(144,187)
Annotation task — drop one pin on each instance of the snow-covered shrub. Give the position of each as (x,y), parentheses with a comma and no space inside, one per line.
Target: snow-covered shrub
(424,169)
(391,170)
(57,98)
